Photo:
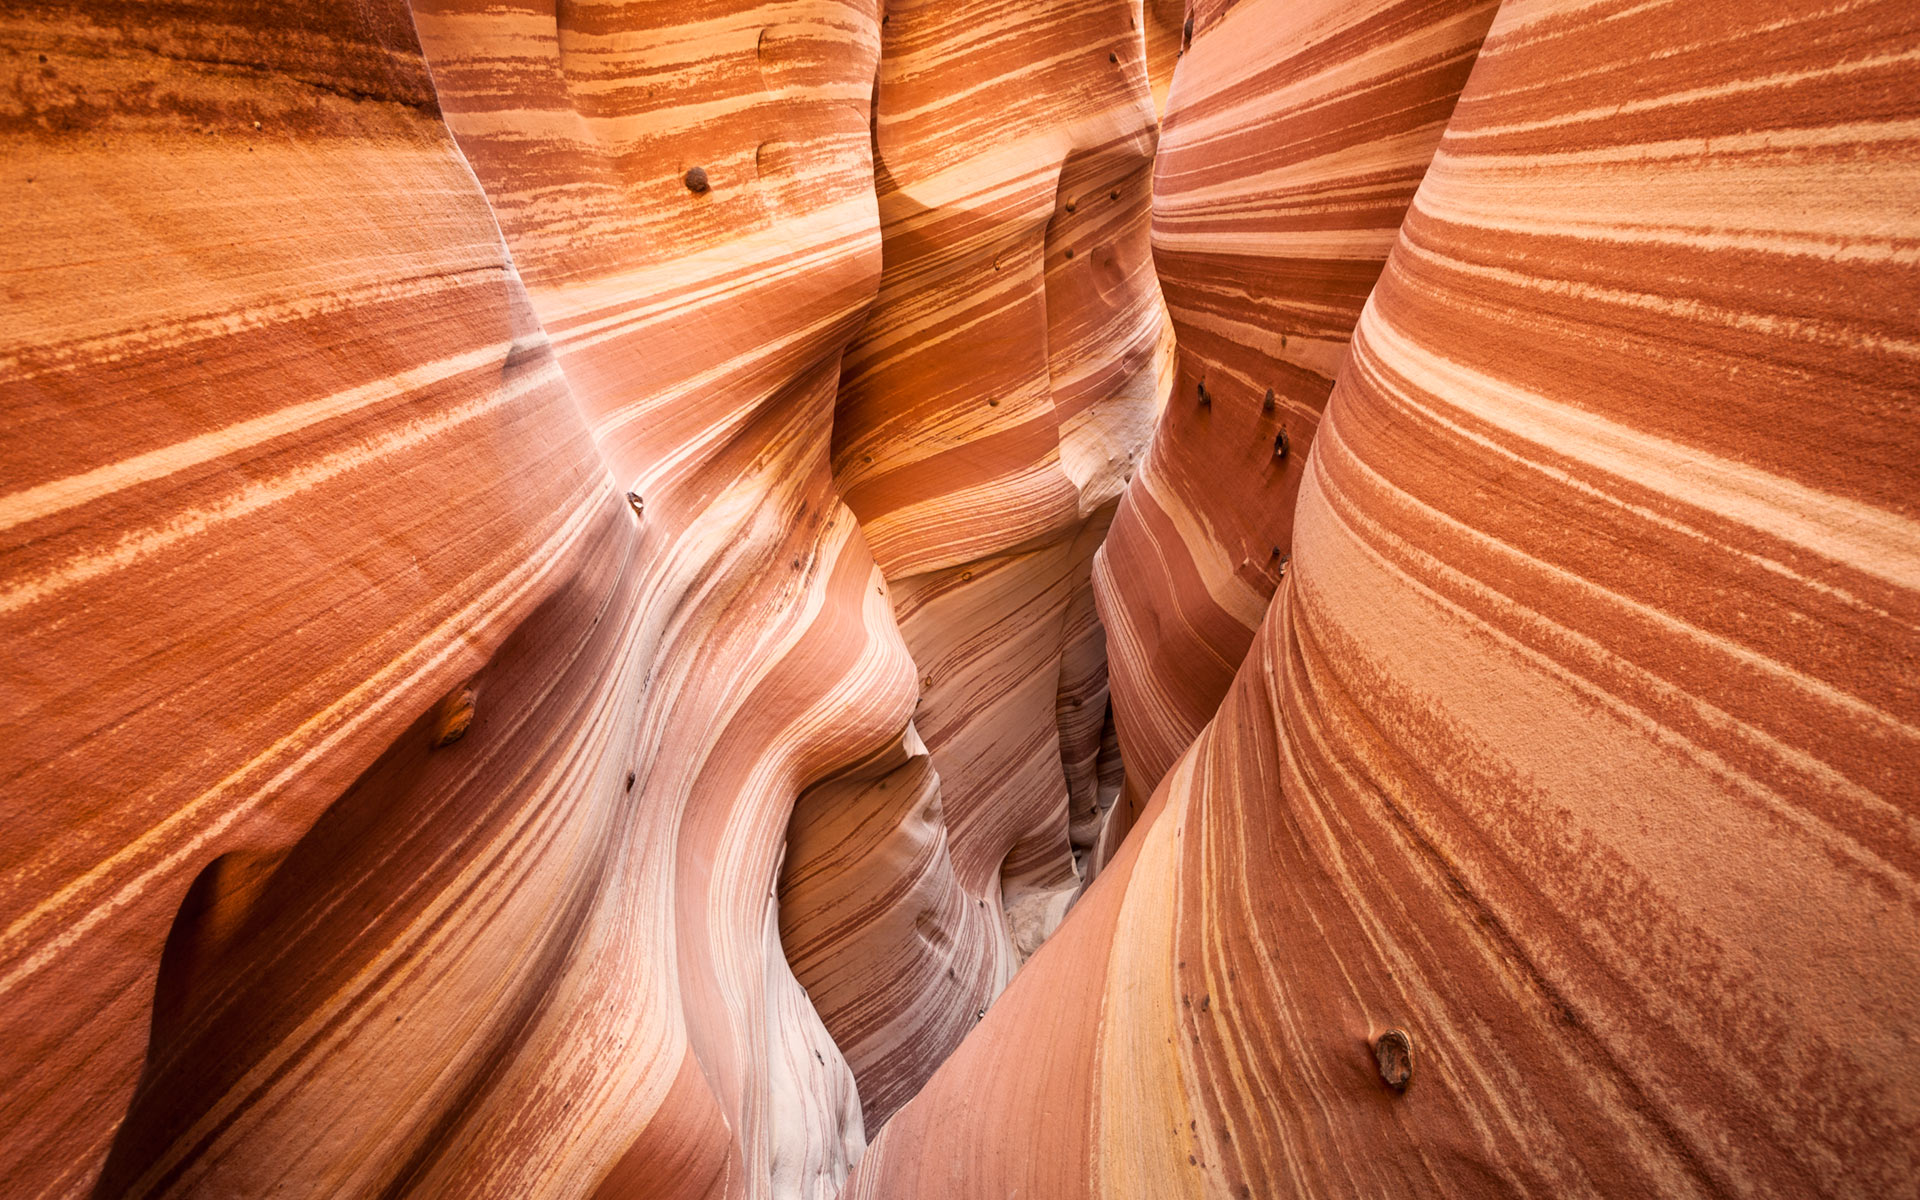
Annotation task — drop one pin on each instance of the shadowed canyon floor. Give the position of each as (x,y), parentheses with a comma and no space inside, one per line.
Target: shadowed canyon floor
(960,598)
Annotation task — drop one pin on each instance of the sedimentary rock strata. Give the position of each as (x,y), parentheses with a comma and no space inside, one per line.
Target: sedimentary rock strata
(563,569)
(487,634)
(989,413)
(288,458)
(1576,743)
(1296,138)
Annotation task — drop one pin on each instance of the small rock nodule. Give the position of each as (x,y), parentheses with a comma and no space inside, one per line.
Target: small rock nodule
(696,180)
(453,718)
(1393,1054)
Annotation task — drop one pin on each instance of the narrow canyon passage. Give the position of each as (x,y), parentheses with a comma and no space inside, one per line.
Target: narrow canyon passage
(960,598)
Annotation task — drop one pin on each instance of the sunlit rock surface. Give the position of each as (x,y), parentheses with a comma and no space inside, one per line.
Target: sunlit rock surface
(1296,137)
(1577,742)
(416,672)
(287,459)
(559,567)
(988,416)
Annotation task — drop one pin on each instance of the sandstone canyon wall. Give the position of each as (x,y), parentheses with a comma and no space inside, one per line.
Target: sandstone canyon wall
(561,562)
(276,385)
(1576,744)
(1296,138)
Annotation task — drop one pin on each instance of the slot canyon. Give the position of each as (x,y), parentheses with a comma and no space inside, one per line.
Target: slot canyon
(975,599)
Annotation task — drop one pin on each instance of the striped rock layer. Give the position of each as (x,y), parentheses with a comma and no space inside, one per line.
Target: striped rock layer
(531,674)
(989,414)
(1577,743)
(287,458)
(1295,140)
(449,697)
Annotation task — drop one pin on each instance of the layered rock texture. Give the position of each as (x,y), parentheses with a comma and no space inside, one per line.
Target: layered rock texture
(1577,742)
(584,585)
(1292,150)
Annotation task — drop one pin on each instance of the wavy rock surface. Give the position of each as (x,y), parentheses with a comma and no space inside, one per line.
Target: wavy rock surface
(988,415)
(551,565)
(1295,140)
(1577,743)
(465,786)
(287,459)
